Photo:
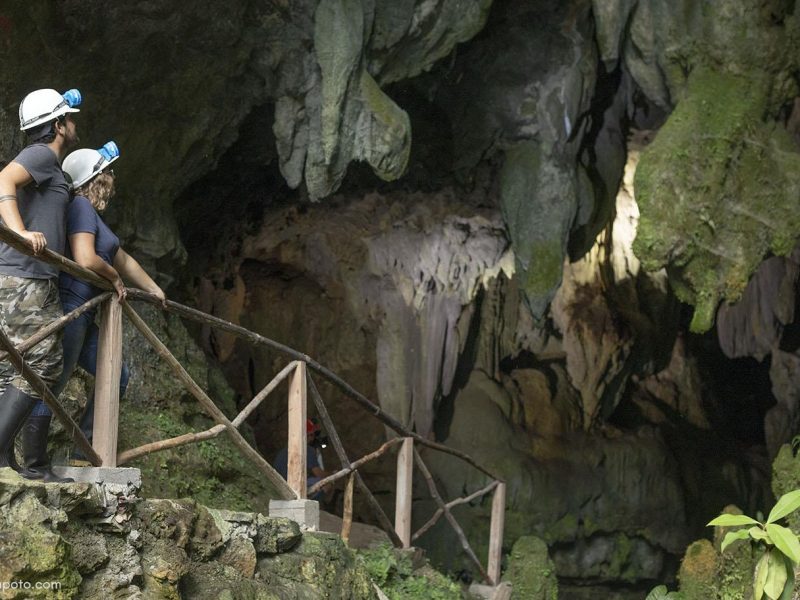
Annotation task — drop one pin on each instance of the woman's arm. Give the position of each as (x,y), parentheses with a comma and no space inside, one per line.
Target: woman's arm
(131,270)
(82,245)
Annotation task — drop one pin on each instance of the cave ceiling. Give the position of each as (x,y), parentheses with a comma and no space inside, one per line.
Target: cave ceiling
(542,92)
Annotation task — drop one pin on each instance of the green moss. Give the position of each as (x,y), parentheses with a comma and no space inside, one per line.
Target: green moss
(717,191)
(697,574)
(35,552)
(620,563)
(705,574)
(392,571)
(320,567)
(212,472)
(538,201)
(734,578)
(544,272)
(530,570)
(389,145)
(563,529)
(786,478)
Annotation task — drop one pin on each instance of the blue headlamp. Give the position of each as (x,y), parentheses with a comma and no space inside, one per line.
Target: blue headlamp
(73,98)
(109,151)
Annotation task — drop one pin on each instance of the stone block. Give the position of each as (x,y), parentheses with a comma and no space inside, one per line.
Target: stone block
(490,592)
(304,512)
(124,476)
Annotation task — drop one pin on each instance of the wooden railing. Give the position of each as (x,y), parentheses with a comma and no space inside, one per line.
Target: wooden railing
(301,383)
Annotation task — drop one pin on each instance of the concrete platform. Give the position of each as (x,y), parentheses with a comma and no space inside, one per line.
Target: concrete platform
(304,512)
(123,476)
(489,592)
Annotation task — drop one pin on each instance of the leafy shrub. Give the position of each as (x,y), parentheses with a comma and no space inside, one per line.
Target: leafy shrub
(774,573)
(392,571)
(661,593)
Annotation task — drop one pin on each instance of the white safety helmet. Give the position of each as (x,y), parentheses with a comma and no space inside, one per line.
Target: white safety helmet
(43,106)
(84,164)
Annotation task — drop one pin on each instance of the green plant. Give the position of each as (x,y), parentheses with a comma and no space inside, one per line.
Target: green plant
(661,593)
(393,572)
(774,573)
(383,565)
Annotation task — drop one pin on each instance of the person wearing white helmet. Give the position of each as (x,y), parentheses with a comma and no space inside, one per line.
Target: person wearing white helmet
(34,195)
(94,246)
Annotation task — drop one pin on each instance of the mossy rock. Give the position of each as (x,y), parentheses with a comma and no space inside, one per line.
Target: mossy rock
(717,190)
(786,478)
(530,570)
(698,571)
(32,549)
(707,574)
(735,572)
(215,581)
(321,566)
(538,201)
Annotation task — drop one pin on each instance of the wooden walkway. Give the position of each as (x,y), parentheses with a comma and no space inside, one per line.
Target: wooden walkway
(301,384)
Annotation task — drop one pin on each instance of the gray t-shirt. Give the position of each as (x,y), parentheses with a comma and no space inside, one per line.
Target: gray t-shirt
(43,207)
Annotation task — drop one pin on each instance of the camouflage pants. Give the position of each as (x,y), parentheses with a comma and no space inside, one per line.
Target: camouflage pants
(27,305)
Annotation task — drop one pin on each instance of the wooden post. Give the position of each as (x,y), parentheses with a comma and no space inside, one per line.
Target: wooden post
(402,507)
(496,532)
(298,441)
(347,512)
(106,389)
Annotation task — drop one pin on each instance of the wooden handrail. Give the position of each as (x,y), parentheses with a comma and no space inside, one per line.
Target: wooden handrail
(450,518)
(223,424)
(53,258)
(173,442)
(403,494)
(347,509)
(199,436)
(73,268)
(453,503)
(340,474)
(266,391)
(255,338)
(211,409)
(297,444)
(338,447)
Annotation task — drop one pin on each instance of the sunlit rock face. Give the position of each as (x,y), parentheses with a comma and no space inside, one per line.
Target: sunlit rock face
(610,312)
(402,271)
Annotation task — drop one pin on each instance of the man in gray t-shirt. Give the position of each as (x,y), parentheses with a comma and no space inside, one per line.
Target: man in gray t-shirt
(42,204)
(34,195)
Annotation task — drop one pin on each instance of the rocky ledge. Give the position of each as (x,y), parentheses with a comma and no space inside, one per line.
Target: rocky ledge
(75,538)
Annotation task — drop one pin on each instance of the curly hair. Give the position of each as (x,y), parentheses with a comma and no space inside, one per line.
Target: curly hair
(99,190)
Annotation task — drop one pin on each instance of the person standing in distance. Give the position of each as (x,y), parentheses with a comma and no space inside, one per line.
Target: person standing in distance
(34,196)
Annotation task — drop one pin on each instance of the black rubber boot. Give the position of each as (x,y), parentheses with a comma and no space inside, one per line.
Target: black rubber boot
(34,451)
(9,459)
(86,424)
(15,406)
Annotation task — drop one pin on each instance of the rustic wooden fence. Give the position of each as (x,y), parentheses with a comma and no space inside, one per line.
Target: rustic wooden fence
(301,382)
